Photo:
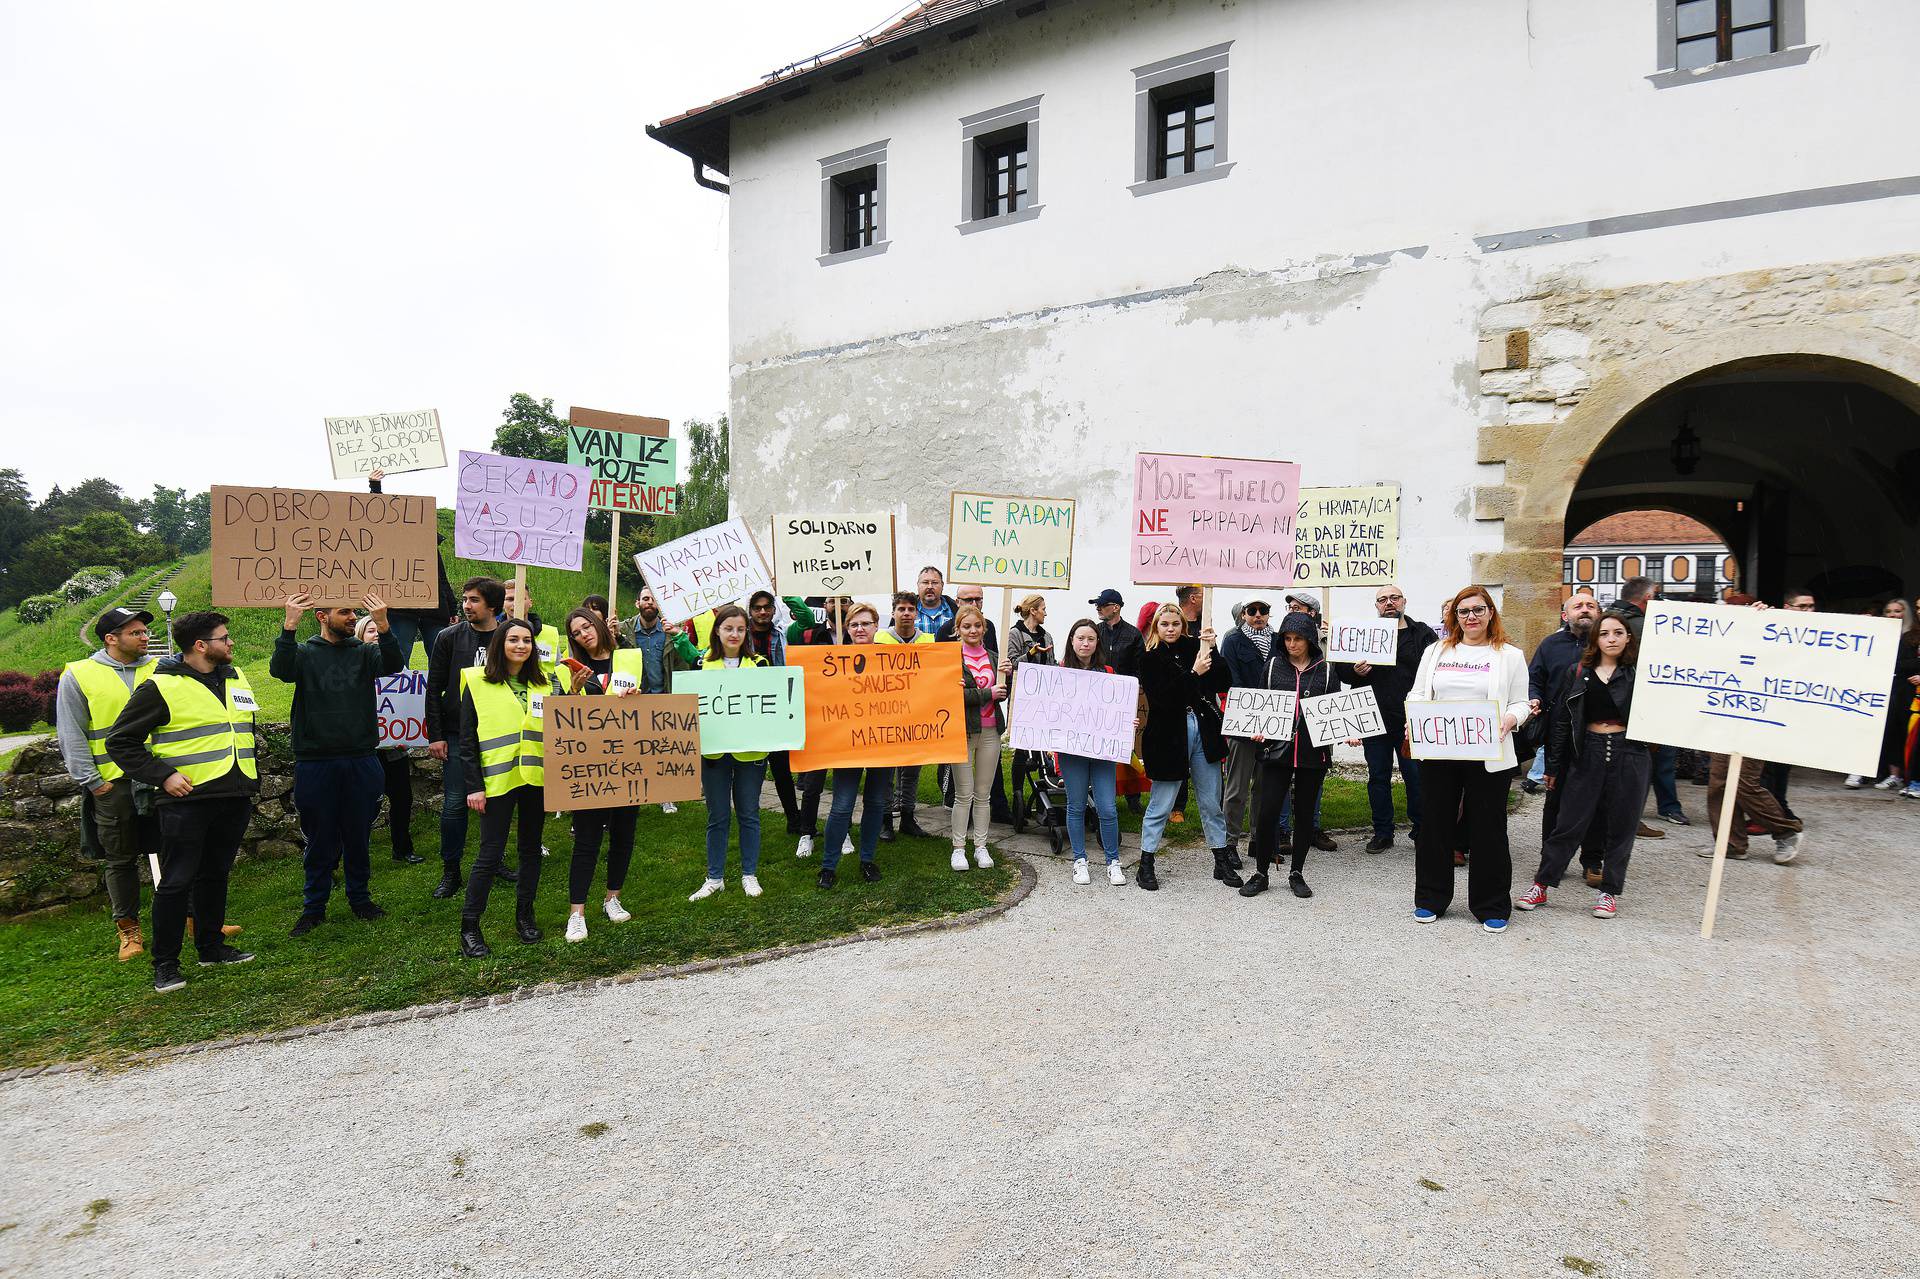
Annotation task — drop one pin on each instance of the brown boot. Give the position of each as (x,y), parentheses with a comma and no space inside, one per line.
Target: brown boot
(130,943)
(226,930)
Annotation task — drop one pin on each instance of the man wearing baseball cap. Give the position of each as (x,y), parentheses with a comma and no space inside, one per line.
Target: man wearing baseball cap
(1122,637)
(88,700)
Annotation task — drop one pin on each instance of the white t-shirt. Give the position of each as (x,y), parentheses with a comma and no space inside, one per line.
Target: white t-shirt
(1465,673)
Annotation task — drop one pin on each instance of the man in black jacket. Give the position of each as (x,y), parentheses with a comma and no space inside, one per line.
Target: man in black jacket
(1390,685)
(457,648)
(1123,639)
(201,821)
(337,778)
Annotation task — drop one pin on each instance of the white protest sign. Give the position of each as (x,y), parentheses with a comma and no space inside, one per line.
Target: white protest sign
(1339,717)
(703,570)
(1454,730)
(1087,713)
(1259,712)
(1347,536)
(1365,639)
(833,554)
(1794,688)
(390,442)
(402,703)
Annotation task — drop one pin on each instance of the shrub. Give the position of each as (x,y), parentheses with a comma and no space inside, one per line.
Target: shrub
(36,609)
(21,707)
(88,582)
(47,683)
(14,677)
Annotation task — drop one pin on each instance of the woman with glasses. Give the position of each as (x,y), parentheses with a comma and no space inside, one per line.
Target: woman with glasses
(1472,663)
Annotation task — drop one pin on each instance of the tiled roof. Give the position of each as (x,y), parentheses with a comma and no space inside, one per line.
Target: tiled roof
(1645,528)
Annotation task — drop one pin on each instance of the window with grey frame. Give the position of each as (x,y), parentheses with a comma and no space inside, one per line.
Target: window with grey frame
(1000,166)
(1183,123)
(1180,121)
(857,202)
(1003,186)
(1711,39)
(853,204)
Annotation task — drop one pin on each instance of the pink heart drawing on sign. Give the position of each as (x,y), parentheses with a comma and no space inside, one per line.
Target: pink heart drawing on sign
(832,583)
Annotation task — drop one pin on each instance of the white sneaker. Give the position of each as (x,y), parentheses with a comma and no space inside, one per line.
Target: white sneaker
(615,911)
(959,859)
(1889,782)
(846,849)
(1080,871)
(980,857)
(576,927)
(708,889)
(1855,782)
(544,852)
(805,847)
(1786,848)
(1116,876)
(669,807)
(750,884)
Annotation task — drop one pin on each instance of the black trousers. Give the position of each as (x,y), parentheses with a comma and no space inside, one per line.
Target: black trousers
(1603,791)
(528,803)
(1462,794)
(1595,838)
(781,767)
(811,786)
(198,841)
(398,780)
(1277,776)
(589,824)
(1774,778)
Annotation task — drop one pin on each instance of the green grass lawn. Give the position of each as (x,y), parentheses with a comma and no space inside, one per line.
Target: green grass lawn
(43,646)
(66,996)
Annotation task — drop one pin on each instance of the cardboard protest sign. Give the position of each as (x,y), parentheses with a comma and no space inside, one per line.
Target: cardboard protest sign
(691,574)
(1259,712)
(401,701)
(1336,717)
(270,543)
(1454,730)
(609,752)
(633,463)
(879,705)
(1363,639)
(833,554)
(1796,688)
(997,540)
(748,708)
(516,511)
(1217,521)
(1058,708)
(390,442)
(1347,536)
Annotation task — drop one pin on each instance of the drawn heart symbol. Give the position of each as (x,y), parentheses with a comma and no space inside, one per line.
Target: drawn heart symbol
(832,583)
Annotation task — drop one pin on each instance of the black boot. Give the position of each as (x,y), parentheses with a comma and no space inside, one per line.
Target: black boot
(908,826)
(506,874)
(886,829)
(1298,883)
(523,925)
(1233,855)
(1224,872)
(1257,882)
(449,884)
(472,944)
(1143,875)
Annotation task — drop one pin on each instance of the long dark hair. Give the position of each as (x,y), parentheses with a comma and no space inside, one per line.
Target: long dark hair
(726,612)
(496,669)
(1099,659)
(601,635)
(1590,655)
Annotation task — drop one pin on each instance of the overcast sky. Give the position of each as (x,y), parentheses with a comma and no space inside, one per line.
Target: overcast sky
(223,222)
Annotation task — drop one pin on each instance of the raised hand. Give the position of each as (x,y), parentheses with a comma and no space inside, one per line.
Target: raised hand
(297,605)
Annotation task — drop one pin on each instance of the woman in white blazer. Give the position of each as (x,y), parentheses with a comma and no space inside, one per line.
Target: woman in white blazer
(1472,662)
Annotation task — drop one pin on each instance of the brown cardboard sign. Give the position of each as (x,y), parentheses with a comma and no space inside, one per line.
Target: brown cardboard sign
(269,543)
(610,752)
(632,424)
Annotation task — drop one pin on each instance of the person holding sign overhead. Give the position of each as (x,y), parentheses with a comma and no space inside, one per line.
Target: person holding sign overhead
(1600,776)
(731,782)
(1472,663)
(1296,765)
(983,689)
(861,622)
(1183,684)
(503,757)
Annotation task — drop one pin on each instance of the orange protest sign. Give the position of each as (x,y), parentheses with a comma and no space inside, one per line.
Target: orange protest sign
(878,705)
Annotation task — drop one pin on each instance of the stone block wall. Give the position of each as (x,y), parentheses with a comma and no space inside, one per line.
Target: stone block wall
(41,858)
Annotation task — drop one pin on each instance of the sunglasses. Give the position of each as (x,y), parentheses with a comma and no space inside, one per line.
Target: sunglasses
(1257,611)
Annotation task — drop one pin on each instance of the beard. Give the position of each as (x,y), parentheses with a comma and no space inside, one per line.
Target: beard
(649,616)
(1581,627)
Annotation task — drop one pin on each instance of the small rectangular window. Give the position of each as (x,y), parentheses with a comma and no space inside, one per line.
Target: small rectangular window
(1609,570)
(1707,32)
(853,204)
(1000,166)
(859,209)
(1180,114)
(1005,189)
(1185,130)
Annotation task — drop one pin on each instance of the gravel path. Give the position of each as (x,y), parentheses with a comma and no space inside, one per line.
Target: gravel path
(1102,1082)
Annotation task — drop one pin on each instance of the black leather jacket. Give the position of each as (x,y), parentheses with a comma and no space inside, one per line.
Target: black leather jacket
(1569,719)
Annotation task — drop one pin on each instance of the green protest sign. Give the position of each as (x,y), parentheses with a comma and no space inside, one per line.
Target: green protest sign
(748,708)
(631,460)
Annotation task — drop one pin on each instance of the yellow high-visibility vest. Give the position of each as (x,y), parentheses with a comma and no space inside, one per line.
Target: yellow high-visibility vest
(106,693)
(512,746)
(204,739)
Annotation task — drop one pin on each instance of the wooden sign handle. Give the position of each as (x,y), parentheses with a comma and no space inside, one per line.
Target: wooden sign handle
(1725,827)
(613,567)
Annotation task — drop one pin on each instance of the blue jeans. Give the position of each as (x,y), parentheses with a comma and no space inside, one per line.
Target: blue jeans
(732,786)
(337,800)
(1537,772)
(873,798)
(1206,789)
(453,808)
(1382,751)
(1665,797)
(406,631)
(1081,775)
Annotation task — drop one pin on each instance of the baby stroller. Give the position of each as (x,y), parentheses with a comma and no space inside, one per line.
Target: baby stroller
(1038,795)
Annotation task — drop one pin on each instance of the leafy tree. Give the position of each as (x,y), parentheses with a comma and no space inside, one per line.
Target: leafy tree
(703,497)
(66,507)
(531,430)
(103,537)
(16,527)
(181,520)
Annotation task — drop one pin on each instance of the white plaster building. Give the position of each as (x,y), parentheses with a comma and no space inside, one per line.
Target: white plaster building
(1499,251)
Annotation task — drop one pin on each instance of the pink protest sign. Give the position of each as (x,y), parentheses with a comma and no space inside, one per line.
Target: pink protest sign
(519,511)
(1214,521)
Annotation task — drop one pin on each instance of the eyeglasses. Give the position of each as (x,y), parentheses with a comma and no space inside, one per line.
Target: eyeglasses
(1384,599)
(975,600)
(1475,610)
(1256,611)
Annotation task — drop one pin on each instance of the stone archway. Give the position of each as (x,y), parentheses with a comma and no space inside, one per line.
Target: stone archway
(1545,459)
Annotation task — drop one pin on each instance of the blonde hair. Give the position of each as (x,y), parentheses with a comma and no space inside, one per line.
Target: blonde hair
(1027,605)
(846,619)
(963,613)
(1165,610)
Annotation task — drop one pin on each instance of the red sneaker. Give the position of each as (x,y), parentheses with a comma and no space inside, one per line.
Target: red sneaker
(1606,907)
(1533,897)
